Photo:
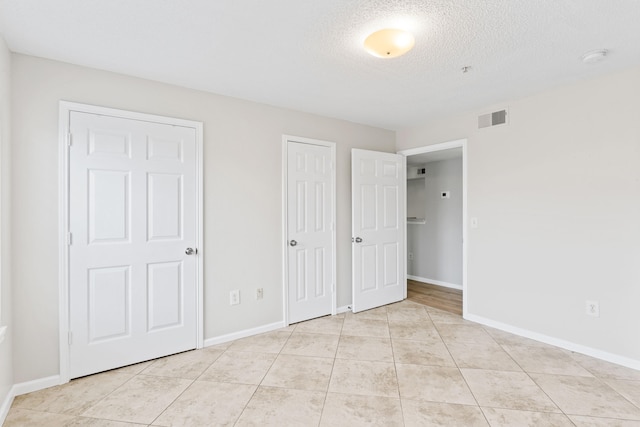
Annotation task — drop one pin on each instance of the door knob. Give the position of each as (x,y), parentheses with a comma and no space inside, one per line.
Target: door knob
(190,251)
(358,240)
(293,243)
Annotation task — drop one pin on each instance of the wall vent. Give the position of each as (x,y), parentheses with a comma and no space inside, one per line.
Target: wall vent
(492,119)
(414,172)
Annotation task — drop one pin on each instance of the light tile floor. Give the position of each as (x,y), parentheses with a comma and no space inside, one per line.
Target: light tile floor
(400,365)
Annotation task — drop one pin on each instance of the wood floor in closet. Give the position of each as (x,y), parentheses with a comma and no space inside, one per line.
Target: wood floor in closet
(439,297)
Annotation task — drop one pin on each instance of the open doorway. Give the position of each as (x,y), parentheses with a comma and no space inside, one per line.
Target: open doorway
(436,206)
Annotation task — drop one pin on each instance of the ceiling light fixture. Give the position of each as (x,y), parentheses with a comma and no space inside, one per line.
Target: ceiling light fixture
(594,56)
(389,43)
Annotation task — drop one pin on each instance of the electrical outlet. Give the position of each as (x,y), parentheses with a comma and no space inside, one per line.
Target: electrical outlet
(592,308)
(234,297)
(410,256)
(259,293)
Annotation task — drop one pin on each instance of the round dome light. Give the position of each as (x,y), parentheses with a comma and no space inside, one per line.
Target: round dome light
(389,43)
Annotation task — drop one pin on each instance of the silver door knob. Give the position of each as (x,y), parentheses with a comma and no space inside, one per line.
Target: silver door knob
(358,240)
(293,243)
(190,251)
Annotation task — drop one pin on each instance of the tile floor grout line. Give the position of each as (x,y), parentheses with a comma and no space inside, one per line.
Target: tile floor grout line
(509,355)
(502,346)
(326,395)
(186,388)
(114,390)
(636,405)
(544,391)
(263,376)
(333,364)
(395,369)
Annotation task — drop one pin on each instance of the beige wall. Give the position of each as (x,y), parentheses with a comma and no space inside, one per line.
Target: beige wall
(243,192)
(6,366)
(556,193)
(557,196)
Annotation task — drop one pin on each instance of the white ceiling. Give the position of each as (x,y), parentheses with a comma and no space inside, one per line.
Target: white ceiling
(307,54)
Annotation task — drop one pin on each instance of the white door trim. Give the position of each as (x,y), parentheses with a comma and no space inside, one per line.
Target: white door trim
(458,143)
(285,221)
(63,214)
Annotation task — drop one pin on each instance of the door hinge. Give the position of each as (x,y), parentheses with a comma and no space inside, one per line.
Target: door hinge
(70,337)
(69,140)
(69,239)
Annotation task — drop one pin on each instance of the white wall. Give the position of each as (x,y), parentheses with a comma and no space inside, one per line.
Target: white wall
(243,188)
(557,196)
(6,365)
(437,244)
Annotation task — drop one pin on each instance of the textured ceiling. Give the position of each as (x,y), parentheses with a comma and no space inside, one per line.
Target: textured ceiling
(307,54)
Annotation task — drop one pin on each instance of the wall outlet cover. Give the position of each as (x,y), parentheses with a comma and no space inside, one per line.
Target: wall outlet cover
(234,297)
(592,308)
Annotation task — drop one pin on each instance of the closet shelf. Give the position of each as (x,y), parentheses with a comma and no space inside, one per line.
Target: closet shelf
(414,220)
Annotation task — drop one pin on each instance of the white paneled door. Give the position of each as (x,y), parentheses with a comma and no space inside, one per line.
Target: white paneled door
(310,250)
(378,221)
(132,254)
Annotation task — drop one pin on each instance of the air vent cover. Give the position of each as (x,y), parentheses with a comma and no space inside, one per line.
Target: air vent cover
(492,119)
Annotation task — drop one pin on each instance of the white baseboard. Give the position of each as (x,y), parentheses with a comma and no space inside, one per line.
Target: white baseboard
(567,345)
(24,388)
(35,385)
(435,282)
(243,334)
(6,405)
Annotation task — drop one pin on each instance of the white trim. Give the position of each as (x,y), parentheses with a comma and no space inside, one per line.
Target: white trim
(285,258)
(63,214)
(465,226)
(567,345)
(199,127)
(6,405)
(403,228)
(458,143)
(24,388)
(434,147)
(243,334)
(35,385)
(63,247)
(435,282)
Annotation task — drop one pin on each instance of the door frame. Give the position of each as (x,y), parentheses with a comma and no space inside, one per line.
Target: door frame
(285,220)
(458,143)
(65,110)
